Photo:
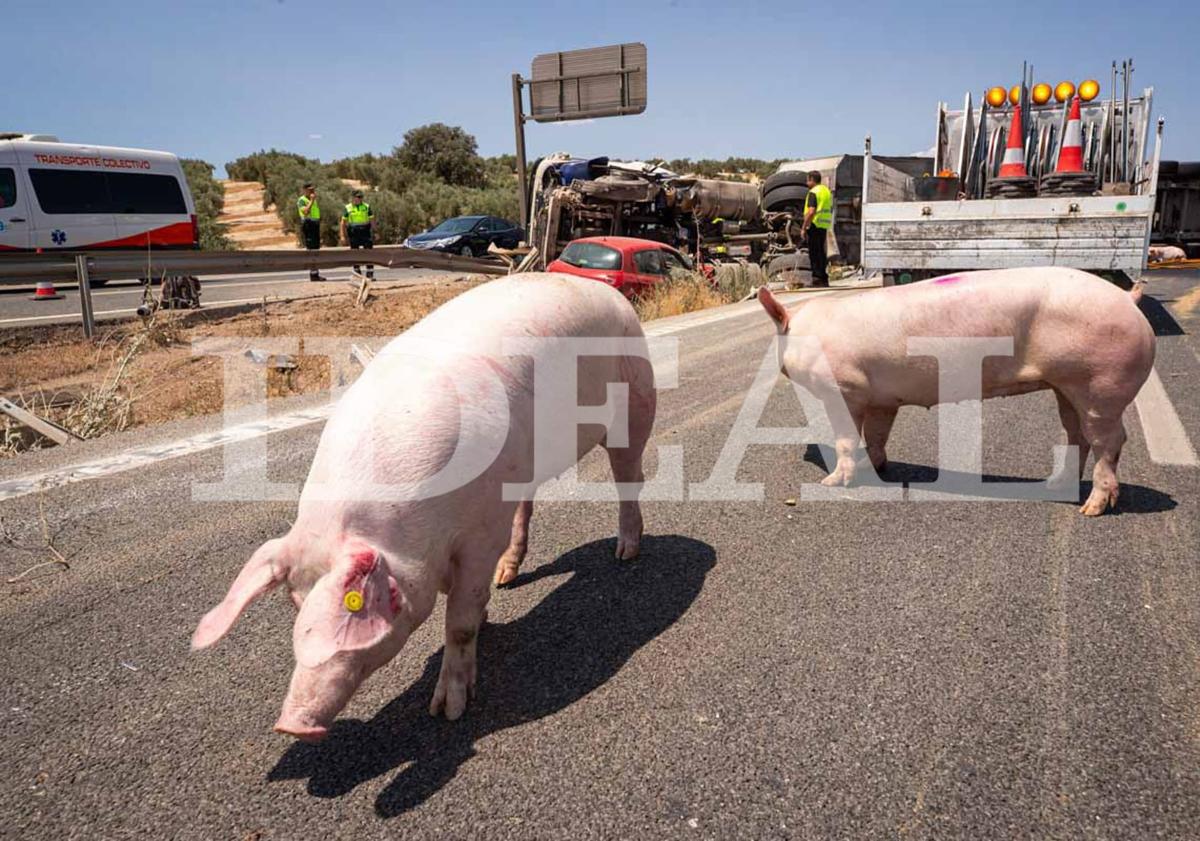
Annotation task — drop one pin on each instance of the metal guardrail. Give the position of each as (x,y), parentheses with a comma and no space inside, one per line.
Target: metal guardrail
(131,265)
(83,267)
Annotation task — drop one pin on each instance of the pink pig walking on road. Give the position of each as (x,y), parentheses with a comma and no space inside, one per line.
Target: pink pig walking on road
(1072,332)
(364,564)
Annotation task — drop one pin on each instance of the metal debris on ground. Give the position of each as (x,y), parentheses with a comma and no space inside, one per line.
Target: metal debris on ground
(278,361)
(42,426)
(362,355)
(363,287)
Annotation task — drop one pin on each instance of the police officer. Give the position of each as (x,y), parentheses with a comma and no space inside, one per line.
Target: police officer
(310,224)
(358,226)
(818,219)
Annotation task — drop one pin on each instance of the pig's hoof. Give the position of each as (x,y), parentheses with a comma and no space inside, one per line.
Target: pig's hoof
(1097,503)
(505,574)
(835,480)
(627,547)
(451,695)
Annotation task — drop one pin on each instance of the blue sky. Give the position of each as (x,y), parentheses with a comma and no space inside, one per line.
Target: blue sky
(788,79)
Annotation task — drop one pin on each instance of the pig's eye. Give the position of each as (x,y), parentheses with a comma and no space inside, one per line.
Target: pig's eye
(353,600)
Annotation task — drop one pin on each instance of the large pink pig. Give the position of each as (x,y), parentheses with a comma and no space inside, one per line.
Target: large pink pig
(1072,332)
(364,566)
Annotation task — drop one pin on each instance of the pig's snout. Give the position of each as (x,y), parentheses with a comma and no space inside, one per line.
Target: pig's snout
(315,698)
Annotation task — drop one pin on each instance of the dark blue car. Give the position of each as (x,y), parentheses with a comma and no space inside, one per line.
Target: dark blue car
(468,235)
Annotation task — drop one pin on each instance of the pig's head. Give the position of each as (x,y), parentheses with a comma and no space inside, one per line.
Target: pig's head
(352,621)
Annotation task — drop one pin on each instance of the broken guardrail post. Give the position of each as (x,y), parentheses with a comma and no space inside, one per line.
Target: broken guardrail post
(85,295)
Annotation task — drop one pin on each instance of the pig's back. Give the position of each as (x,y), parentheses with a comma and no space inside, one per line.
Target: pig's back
(530,304)
(1065,325)
(411,401)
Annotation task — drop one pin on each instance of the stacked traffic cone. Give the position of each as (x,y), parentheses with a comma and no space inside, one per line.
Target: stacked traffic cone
(45,292)
(1070,156)
(1069,177)
(1013,181)
(1013,165)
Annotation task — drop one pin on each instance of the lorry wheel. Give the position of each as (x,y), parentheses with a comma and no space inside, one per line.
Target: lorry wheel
(787,197)
(788,263)
(787,178)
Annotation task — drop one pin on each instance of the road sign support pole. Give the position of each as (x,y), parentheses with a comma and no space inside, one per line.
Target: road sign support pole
(85,295)
(519,128)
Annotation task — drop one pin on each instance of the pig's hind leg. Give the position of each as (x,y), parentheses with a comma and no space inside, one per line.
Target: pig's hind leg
(1106,434)
(626,462)
(510,562)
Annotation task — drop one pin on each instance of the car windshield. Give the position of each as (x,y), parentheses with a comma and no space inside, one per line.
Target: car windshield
(457,225)
(589,255)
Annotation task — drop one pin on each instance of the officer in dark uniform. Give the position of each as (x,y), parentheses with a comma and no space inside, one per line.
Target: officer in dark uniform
(358,224)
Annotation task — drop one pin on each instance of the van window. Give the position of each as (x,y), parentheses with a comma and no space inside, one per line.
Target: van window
(68,191)
(89,191)
(8,187)
(144,193)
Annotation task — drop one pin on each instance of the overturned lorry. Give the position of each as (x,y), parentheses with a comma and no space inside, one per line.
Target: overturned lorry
(712,220)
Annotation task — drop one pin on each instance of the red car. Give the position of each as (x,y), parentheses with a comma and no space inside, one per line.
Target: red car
(630,265)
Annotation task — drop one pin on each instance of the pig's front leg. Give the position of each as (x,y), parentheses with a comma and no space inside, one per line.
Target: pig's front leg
(510,562)
(466,606)
(877,426)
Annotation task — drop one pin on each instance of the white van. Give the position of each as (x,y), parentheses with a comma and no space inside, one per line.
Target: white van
(67,197)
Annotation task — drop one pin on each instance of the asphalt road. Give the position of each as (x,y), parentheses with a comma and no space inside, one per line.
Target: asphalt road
(962,669)
(120,299)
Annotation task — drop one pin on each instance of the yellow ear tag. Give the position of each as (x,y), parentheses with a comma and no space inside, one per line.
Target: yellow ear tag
(353,601)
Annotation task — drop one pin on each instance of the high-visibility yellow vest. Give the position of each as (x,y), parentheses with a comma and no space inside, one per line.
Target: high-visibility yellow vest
(823,216)
(357,214)
(305,203)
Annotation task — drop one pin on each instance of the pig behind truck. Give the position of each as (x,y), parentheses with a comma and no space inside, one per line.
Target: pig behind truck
(364,568)
(1072,332)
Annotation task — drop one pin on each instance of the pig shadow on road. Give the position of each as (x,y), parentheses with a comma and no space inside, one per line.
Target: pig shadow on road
(1160,318)
(1134,499)
(567,645)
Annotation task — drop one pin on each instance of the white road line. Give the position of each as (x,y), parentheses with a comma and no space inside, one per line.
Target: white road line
(1166,439)
(211,305)
(143,456)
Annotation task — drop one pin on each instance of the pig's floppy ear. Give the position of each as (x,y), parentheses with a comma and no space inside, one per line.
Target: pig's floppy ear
(265,569)
(774,309)
(350,608)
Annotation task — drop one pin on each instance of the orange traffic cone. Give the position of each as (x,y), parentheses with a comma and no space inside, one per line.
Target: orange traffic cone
(45,292)
(1070,155)
(1013,165)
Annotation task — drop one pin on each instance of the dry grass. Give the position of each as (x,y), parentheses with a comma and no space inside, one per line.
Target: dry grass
(684,292)
(690,291)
